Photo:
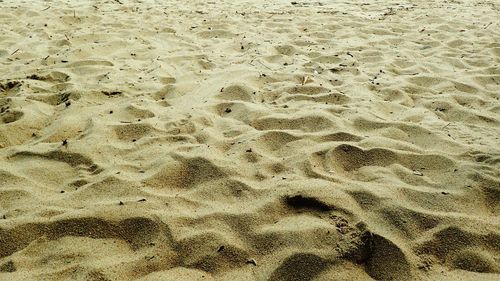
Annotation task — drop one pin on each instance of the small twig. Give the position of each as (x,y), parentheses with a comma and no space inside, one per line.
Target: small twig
(305,79)
(265,65)
(119,2)
(46,8)
(488,25)
(14,52)
(152,69)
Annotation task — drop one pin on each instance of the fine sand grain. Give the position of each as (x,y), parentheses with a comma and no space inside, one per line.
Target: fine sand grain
(249,140)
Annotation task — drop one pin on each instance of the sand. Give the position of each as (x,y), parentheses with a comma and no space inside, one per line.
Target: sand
(249,140)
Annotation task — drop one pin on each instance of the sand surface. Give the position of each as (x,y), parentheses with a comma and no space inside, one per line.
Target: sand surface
(249,140)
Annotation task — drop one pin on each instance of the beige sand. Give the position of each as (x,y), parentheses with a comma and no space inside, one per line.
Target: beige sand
(208,140)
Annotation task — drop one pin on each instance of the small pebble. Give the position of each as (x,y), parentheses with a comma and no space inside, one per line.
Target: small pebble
(418,173)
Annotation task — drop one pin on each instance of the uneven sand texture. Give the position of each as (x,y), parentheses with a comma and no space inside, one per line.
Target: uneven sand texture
(256,140)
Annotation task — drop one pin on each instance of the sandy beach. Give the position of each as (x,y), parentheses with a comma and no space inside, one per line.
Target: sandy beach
(249,140)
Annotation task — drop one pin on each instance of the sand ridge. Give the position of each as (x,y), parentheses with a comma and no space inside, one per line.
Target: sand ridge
(249,140)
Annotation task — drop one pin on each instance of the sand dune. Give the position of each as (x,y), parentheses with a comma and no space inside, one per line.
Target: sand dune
(256,140)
